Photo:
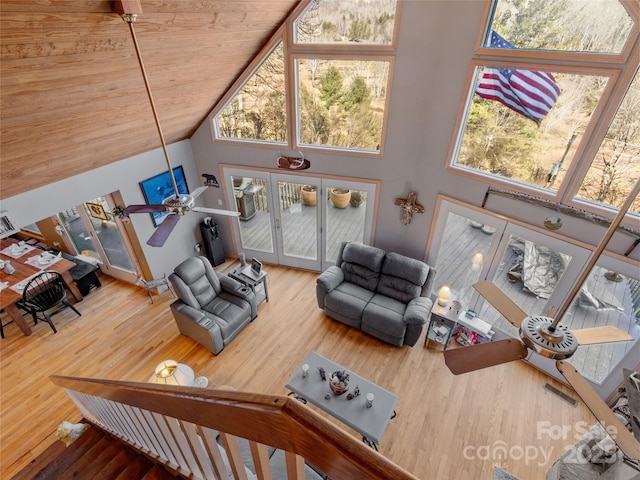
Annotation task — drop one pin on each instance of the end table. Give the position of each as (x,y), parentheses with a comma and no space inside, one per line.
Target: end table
(258,285)
(441,324)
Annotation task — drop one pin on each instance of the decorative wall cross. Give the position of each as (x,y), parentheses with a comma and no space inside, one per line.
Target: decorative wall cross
(409,207)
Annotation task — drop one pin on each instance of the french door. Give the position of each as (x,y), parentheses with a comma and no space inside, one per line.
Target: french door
(93,231)
(297,220)
(536,271)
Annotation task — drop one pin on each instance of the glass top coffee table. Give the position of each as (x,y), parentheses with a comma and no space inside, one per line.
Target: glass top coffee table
(370,422)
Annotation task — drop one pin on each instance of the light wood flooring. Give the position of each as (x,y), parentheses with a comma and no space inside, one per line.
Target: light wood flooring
(447,426)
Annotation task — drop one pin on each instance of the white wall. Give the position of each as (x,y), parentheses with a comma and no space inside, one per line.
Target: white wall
(121,176)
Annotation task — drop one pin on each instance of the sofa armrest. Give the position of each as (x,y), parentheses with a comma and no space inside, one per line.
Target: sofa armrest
(198,326)
(330,278)
(418,311)
(236,288)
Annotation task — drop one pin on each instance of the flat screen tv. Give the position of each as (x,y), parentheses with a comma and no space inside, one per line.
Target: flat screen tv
(159,187)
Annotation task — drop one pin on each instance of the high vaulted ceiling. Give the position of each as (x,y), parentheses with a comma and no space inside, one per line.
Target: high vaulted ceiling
(72,94)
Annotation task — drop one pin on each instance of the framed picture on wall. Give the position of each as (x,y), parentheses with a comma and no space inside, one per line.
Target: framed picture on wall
(159,187)
(96,211)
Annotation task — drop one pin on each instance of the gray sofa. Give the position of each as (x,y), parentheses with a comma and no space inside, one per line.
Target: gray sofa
(211,308)
(386,295)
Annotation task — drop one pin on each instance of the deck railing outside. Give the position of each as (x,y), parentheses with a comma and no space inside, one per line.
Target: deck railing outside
(179,427)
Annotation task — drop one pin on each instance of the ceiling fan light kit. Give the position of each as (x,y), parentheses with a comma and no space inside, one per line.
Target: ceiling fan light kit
(558,343)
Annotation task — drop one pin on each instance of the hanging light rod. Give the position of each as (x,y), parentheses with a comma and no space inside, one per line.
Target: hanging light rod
(129,11)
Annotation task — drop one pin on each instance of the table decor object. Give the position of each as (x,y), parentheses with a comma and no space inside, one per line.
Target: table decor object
(339,382)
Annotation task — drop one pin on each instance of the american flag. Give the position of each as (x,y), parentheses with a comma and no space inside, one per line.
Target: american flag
(529,93)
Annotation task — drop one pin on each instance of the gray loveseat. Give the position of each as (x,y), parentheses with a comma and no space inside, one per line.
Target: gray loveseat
(211,308)
(386,295)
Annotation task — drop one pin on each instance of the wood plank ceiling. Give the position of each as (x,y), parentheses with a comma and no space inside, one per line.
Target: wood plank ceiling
(72,97)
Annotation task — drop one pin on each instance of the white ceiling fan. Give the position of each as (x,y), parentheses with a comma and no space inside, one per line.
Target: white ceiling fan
(179,203)
(547,337)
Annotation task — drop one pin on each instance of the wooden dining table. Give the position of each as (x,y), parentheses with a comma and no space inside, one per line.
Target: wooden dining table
(9,297)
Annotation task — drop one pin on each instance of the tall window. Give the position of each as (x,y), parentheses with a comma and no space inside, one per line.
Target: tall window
(335,94)
(541,112)
(341,103)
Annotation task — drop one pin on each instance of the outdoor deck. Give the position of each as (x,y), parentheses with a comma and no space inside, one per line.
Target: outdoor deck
(299,227)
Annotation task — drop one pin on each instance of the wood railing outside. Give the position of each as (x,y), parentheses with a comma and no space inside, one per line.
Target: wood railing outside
(178,427)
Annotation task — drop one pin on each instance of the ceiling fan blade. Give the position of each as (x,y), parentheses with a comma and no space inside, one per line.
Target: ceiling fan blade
(144,209)
(163,231)
(229,213)
(483,355)
(198,191)
(606,334)
(623,438)
(499,300)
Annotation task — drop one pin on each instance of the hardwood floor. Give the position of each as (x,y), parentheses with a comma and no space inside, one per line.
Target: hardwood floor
(447,426)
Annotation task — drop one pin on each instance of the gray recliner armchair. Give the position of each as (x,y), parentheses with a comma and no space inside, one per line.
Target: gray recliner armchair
(211,308)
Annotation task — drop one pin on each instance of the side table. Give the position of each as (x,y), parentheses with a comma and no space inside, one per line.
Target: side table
(256,283)
(441,324)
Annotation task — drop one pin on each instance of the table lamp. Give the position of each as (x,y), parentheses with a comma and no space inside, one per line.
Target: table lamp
(170,372)
(444,296)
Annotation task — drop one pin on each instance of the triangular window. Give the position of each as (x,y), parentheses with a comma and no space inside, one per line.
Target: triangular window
(258,110)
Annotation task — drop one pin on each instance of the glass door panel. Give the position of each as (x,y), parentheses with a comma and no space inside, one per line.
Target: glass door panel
(254,232)
(348,215)
(529,267)
(297,223)
(109,237)
(78,232)
(252,201)
(465,242)
(609,296)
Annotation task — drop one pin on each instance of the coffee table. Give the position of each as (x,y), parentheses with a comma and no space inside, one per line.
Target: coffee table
(371,422)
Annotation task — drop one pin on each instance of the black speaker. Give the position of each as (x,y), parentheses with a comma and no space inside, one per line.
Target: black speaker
(212,243)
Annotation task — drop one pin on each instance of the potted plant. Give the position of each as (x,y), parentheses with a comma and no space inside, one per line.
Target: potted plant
(356,199)
(309,194)
(340,197)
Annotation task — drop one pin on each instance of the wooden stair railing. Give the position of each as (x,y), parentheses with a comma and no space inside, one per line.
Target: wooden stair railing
(178,426)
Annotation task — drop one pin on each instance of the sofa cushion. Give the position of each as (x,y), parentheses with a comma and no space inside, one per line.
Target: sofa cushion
(228,316)
(198,283)
(383,317)
(402,277)
(349,301)
(361,264)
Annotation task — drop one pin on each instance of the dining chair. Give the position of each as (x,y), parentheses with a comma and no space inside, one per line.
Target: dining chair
(43,293)
(2,325)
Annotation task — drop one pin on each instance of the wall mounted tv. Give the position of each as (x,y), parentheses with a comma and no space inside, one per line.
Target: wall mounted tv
(159,187)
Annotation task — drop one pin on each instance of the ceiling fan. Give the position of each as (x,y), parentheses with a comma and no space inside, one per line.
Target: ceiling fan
(545,336)
(179,203)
